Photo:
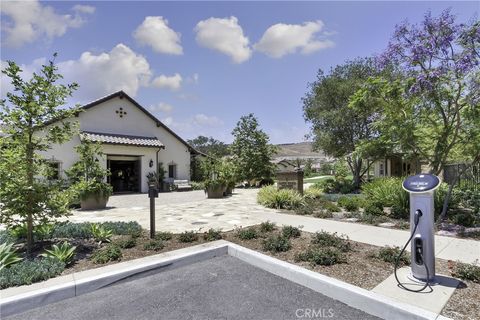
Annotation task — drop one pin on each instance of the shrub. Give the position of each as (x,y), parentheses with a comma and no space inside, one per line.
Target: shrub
(19,231)
(246,234)
(64,252)
(322,256)
(212,235)
(466,219)
(330,206)
(468,198)
(326,239)
(342,186)
(276,243)
(155,245)
(109,253)
(267,226)
(372,219)
(323,214)
(348,203)
(43,231)
(467,271)
(30,271)
(388,192)
(100,233)
(126,242)
(163,235)
(6,237)
(313,193)
(72,230)
(306,209)
(291,232)
(390,254)
(132,228)
(197,185)
(8,255)
(187,236)
(270,197)
(372,208)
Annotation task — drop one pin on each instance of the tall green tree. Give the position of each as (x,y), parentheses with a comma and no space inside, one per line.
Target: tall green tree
(251,150)
(210,146)
(28,118)
(433,110)
(337,129)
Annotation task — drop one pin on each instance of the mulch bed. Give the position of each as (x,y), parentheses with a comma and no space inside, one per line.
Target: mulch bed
(360,269)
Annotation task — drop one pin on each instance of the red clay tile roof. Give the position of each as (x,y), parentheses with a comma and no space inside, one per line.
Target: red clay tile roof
(111,138)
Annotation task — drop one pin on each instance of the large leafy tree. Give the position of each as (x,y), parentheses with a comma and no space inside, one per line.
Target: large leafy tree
(251,150)
(432,110)
(337,129)
(28,118)
(210,146)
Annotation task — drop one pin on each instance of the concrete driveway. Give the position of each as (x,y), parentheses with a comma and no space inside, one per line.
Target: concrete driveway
(181,211)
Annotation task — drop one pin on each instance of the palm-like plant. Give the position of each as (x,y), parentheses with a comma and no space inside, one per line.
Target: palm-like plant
(65,252)
(100,233)
(8,256)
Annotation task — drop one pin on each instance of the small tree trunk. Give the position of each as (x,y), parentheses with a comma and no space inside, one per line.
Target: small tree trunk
(30,198)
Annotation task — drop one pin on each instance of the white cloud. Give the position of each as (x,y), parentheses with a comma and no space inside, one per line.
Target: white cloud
(194,78)
(169,82)
(199,124)
(204,120)
(30,20)
(83,9)
(167,121)
(224,35)
(281,39)
(97,75)
(161,107)
(155,32)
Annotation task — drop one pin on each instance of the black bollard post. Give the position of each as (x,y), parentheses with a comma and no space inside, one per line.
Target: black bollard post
(152,194)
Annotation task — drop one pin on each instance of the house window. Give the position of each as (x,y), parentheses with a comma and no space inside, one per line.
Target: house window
(54,170)
(382,169)
(172,171)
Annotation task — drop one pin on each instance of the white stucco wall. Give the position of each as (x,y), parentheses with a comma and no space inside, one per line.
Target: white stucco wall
(102,118)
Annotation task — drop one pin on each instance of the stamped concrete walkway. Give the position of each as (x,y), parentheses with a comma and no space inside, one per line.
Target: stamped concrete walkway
(181,211)
(178,212)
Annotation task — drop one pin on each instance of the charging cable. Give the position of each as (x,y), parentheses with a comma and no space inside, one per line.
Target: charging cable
(416,220)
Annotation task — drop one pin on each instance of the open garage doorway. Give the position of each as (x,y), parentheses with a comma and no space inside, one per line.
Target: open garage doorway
(125,173)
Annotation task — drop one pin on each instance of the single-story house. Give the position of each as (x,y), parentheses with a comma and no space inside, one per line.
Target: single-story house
(133,140)
(396,165)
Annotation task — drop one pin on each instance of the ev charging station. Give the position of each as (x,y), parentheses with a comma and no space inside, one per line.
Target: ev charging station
(421,188)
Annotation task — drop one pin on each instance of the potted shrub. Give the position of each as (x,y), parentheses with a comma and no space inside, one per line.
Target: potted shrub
(228,172)
(215,183)
(87,178)
(215,188)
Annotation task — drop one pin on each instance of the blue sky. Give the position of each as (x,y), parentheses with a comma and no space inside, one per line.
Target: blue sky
(199,66)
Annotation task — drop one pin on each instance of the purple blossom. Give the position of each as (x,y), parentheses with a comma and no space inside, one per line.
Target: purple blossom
(435,50)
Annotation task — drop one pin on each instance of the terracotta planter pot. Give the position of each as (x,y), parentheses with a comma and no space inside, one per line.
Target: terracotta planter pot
(94,203)
(215,192)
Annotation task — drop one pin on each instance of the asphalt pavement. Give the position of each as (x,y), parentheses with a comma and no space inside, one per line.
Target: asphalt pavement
(218,288)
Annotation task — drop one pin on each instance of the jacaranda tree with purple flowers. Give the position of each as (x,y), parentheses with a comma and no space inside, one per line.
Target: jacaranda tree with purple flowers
(432,109)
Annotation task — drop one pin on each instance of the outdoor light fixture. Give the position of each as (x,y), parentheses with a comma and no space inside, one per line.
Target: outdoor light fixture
(151,163)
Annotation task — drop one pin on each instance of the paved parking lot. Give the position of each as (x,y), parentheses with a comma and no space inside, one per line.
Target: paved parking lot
(181,211)
(218,288)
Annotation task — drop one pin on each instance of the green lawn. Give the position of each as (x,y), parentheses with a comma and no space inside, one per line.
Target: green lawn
(316,179)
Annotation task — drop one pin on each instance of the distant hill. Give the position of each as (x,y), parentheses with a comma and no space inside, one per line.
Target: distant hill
(302,150)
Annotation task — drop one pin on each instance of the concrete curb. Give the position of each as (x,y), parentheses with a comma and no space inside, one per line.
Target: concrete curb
(84,282)
(91,280)
(356,297)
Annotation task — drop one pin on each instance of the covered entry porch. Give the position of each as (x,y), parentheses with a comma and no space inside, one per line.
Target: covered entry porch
(129,158)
